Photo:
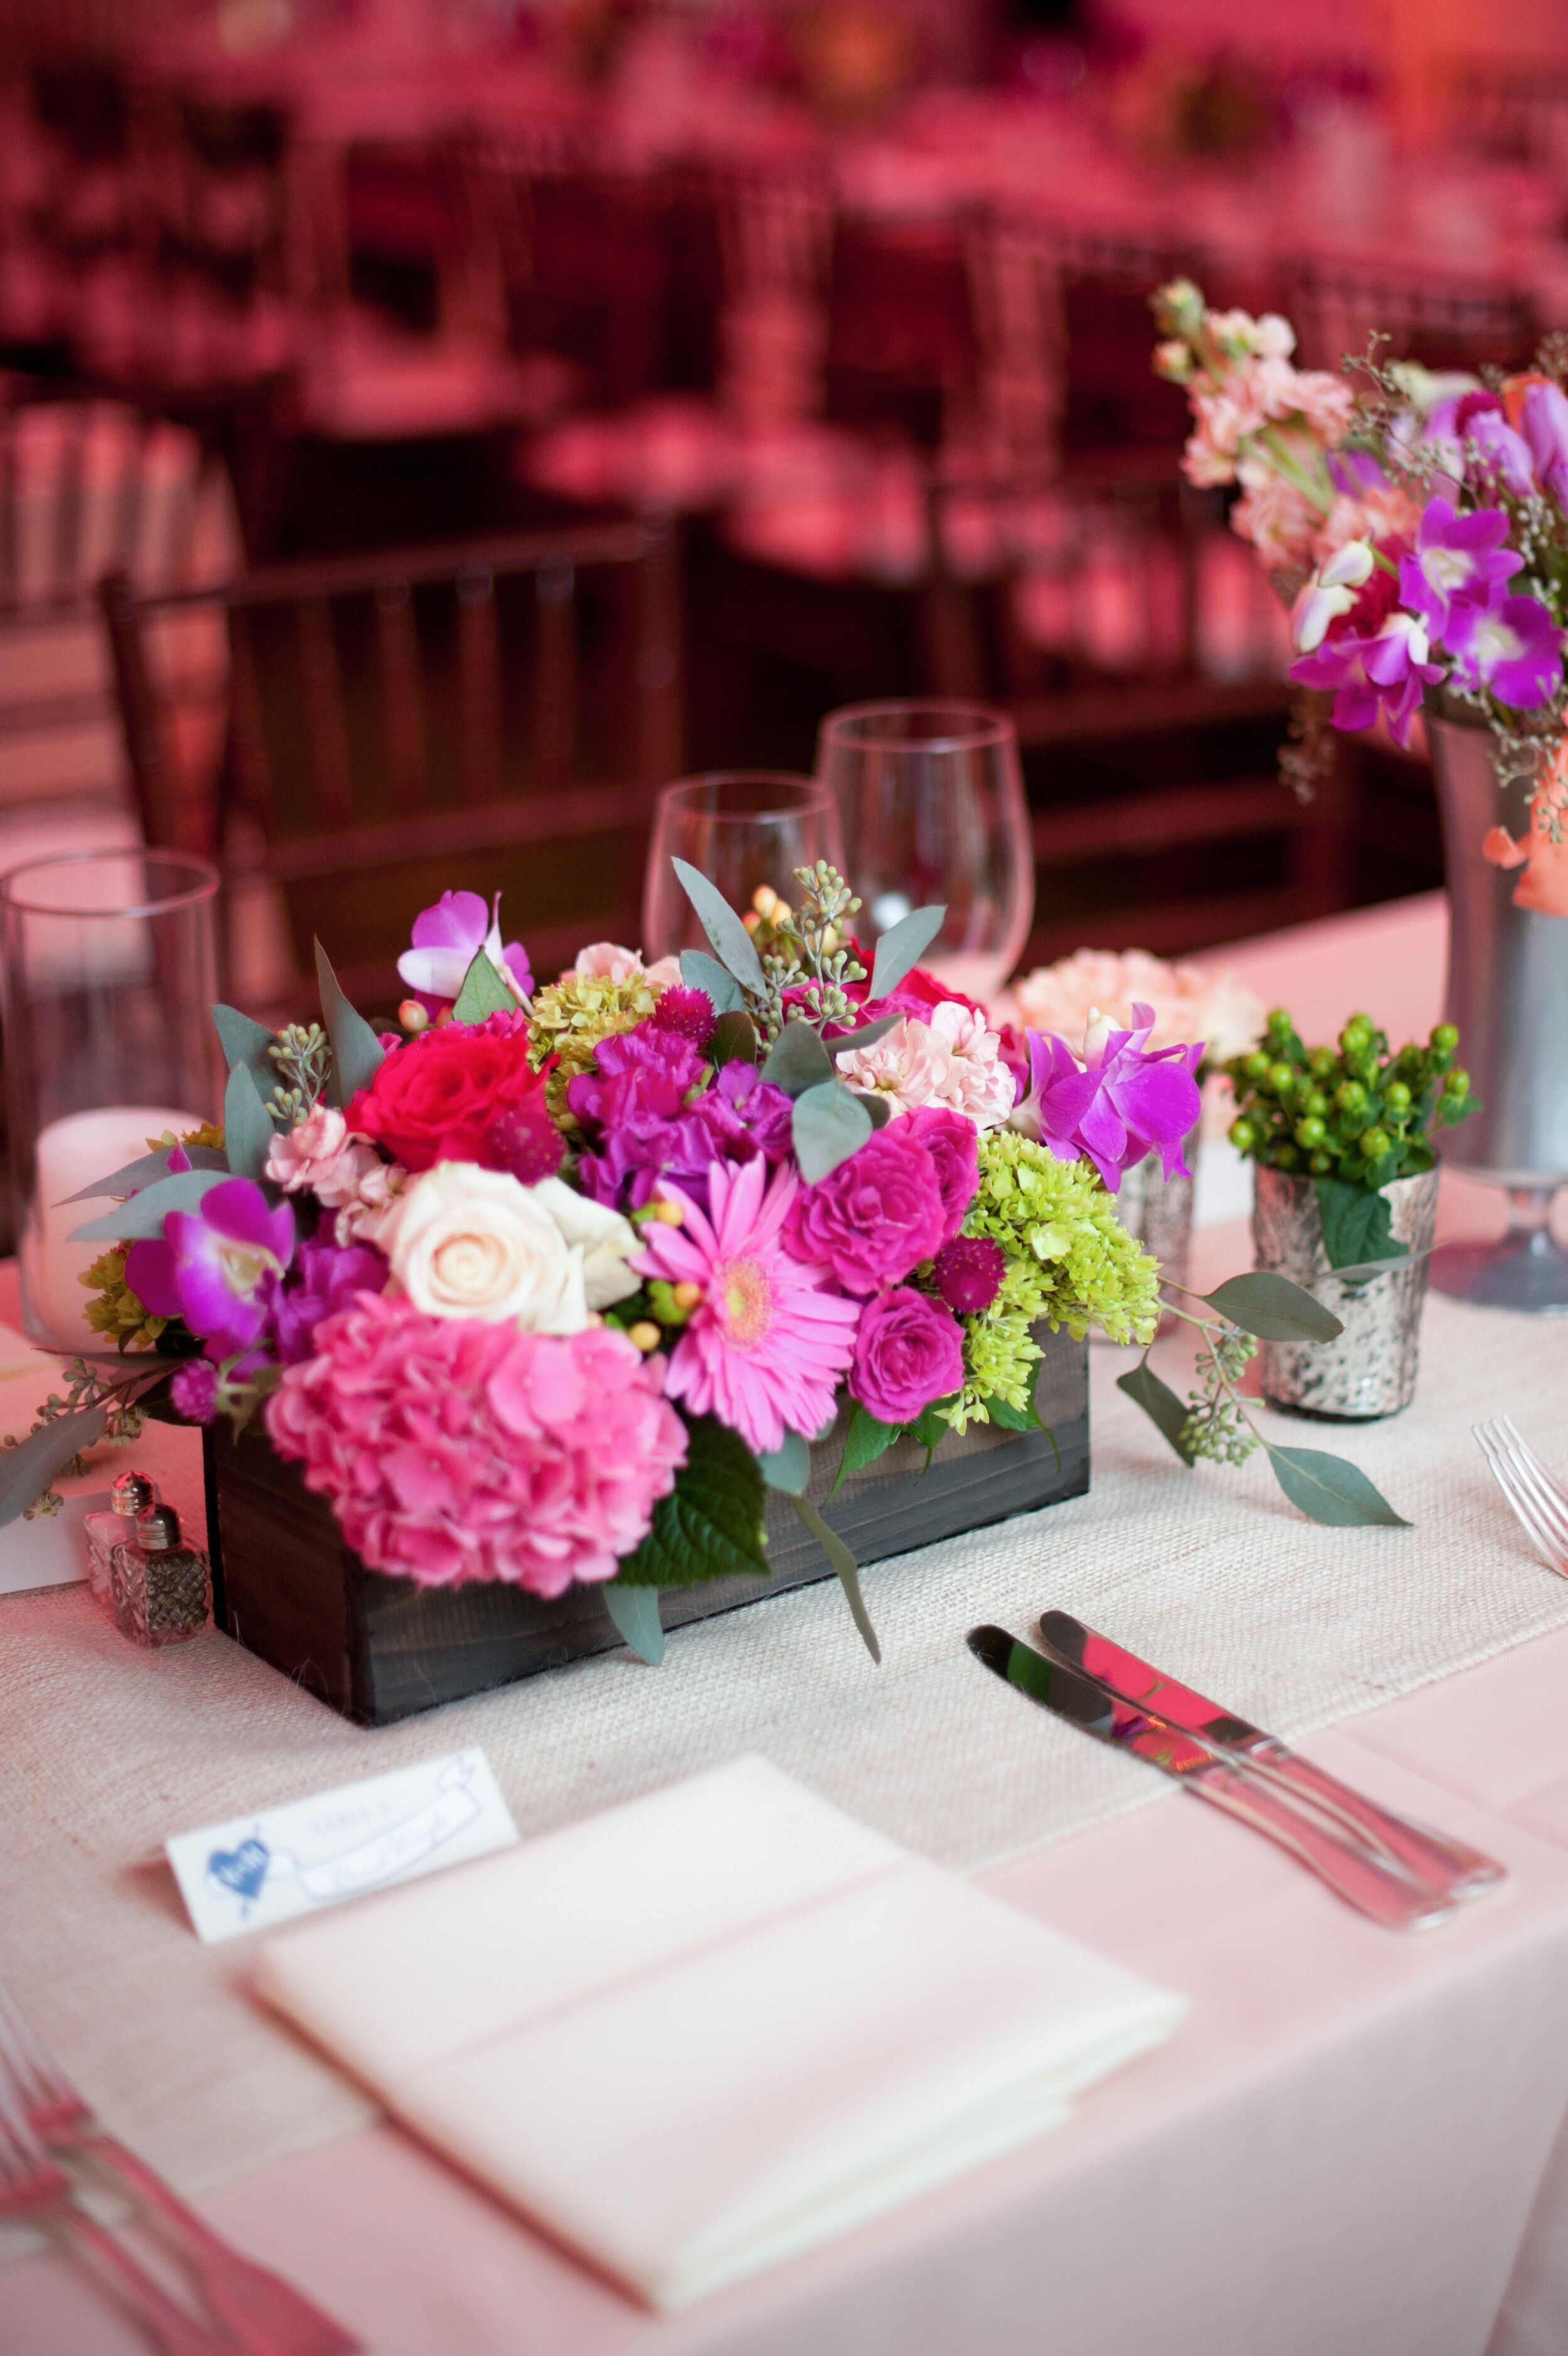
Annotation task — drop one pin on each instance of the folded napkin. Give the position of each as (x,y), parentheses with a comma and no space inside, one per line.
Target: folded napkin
(703,2031)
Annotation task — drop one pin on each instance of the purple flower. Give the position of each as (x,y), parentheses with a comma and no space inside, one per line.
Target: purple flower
(1543,422)
(193,1392)
(1494,454)
(648,1123)
(744,1115)
(1122,1104)
(874,1219)
(218,1266)
(969,1273)
(325,1278)
(448,939)
(909,1350)
(1386,672)
(1514,648)
(1458,560)
(953,1141)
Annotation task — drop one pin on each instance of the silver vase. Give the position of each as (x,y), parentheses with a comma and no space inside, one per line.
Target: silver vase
(1158,1210)
(1371,1369)
(1508,996)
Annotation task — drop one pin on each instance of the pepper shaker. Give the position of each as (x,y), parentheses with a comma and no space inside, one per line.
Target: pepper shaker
(161,1587)
(133,1494)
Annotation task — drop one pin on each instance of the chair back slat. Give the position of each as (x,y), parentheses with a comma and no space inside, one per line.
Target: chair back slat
(248,742)
(322,679)
(556,689)
(403,695)
(480,684)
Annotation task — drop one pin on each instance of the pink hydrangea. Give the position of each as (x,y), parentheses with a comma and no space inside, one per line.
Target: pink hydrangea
(453,1450)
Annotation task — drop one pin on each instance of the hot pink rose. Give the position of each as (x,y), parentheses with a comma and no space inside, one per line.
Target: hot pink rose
(876,1217)
(909,1350)
(953,1141)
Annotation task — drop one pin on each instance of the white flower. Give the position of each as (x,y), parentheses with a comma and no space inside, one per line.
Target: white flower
(465,1242)
(605,1240)
(377,1196)
(612,963)
(1328,593)
(953,1060)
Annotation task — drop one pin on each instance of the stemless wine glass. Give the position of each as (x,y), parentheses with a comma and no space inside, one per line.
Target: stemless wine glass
(741,829)
(110,974)
(932,801)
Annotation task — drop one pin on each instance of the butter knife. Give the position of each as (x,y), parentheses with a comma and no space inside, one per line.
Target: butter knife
(1363,1879)
(1432,1856)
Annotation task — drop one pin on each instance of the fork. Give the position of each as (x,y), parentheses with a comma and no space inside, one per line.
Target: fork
(1540,1502)
(263,2314)
(35,2191)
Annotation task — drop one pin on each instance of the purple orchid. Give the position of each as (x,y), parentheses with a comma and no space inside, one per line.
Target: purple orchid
(1385,673)
(218,1266)
(325,1278)
(1543,422)
(448,939)
(1514,648)
(1493,453)
(1125,1102)
(1457,561)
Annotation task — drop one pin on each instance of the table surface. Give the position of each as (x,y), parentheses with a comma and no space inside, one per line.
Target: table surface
(1354,2147)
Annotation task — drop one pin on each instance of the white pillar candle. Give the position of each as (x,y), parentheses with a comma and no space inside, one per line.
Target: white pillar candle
(70,1155)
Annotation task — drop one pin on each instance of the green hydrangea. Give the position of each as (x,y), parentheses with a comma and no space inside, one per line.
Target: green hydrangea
(117,1312)
(1069,1262)
(571,1016)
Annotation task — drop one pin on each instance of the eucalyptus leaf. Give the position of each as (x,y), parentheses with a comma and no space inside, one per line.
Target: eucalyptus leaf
(145,1212)
(866,1036)
(1273,1308)
(356,1053)
(122,1184)
(830,1123)
(798,1060)
(635,1611)
(902,947)
(865,1439)
(1357,1226)
(735,1039)
(27,1470)
(246,1041)
(1159,1403)
(731,944)
(700,971)
(848,1570)
(247,1126)
(483,992)
(787,1468)
(879,1110)
(1327,1489)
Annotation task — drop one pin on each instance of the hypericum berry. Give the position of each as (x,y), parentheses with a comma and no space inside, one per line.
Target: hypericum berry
(1445,1038)
(1282,1078)
(1349,1096)
(1243,1136)
(1256,1065)
(1375,1145)
(1311,1131)
(1457,1084)
(1396,1098)
(1321,1165)
(1285,1157)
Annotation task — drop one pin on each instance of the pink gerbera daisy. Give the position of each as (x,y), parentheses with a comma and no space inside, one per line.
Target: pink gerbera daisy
(765,1345)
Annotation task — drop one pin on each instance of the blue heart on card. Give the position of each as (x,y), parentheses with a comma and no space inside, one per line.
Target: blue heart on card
(242,1870)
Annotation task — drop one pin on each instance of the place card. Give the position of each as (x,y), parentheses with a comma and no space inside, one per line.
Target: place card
(263,1869)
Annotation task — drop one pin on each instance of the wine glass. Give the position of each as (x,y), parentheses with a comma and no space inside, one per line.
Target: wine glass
(741,829)
(932,800)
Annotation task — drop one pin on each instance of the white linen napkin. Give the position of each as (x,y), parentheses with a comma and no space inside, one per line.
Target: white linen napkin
(708,2028)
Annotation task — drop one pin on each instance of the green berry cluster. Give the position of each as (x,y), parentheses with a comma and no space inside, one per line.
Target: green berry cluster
(1355,1112)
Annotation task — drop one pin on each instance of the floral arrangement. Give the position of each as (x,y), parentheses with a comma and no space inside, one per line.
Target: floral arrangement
(1418,528)
(553,1282)
(1082,996)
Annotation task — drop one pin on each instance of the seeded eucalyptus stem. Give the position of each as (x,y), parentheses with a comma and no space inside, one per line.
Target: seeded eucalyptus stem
(1218,1425)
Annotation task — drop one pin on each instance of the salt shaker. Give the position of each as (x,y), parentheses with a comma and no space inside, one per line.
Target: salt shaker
(161,1588)
(133,1494)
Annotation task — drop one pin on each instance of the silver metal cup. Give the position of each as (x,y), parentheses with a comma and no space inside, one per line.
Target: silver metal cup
(1371,1369)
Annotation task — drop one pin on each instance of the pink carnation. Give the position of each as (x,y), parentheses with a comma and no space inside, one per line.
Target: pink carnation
(453,1450)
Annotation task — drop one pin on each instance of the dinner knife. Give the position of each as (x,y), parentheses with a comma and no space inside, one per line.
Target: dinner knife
(1433,1857)
(1364,1880)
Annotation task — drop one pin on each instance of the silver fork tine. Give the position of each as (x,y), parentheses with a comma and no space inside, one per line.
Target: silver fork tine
(1549,1493)
(1523,1507)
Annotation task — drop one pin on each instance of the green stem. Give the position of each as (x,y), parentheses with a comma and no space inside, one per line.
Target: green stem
(1284,464)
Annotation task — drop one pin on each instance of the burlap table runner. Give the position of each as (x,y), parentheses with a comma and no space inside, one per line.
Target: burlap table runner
(103,1750)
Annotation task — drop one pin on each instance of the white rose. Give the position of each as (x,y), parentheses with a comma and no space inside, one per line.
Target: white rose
(605,1240)
(466,1242)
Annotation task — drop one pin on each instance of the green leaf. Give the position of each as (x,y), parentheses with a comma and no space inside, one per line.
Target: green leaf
(1327,1489)
(866,1036)
(483,992)
(1008,1417)
(122,1184)
(1358,1225)
(1159,1403)
(902,947)
(1272,1308)
(735,1039)
(27,1470)
(848,1570)
(710,1526)
(830,1123)
(700,971)
(145,1212)
(878,1111)
(635,1611)
(865,1439)
(798,1060)
(356,1053)
(787,1468)
(246,1041)
(731,944)
(247,1127)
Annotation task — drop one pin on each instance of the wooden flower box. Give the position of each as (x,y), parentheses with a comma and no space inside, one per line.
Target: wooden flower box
(377,1649)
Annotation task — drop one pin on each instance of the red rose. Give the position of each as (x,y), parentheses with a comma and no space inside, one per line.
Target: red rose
(440,1097)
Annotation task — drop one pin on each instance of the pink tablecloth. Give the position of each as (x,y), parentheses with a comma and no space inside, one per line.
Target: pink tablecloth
(1356,2146)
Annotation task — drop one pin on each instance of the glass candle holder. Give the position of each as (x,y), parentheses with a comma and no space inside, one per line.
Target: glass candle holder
(931,796)
(110,972)
(741,829)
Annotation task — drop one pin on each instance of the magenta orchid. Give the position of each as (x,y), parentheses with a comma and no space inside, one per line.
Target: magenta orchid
(1458,561)
(1543,422)
(447,937)
(1116,1107)
(1514,648)
(219,1266)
